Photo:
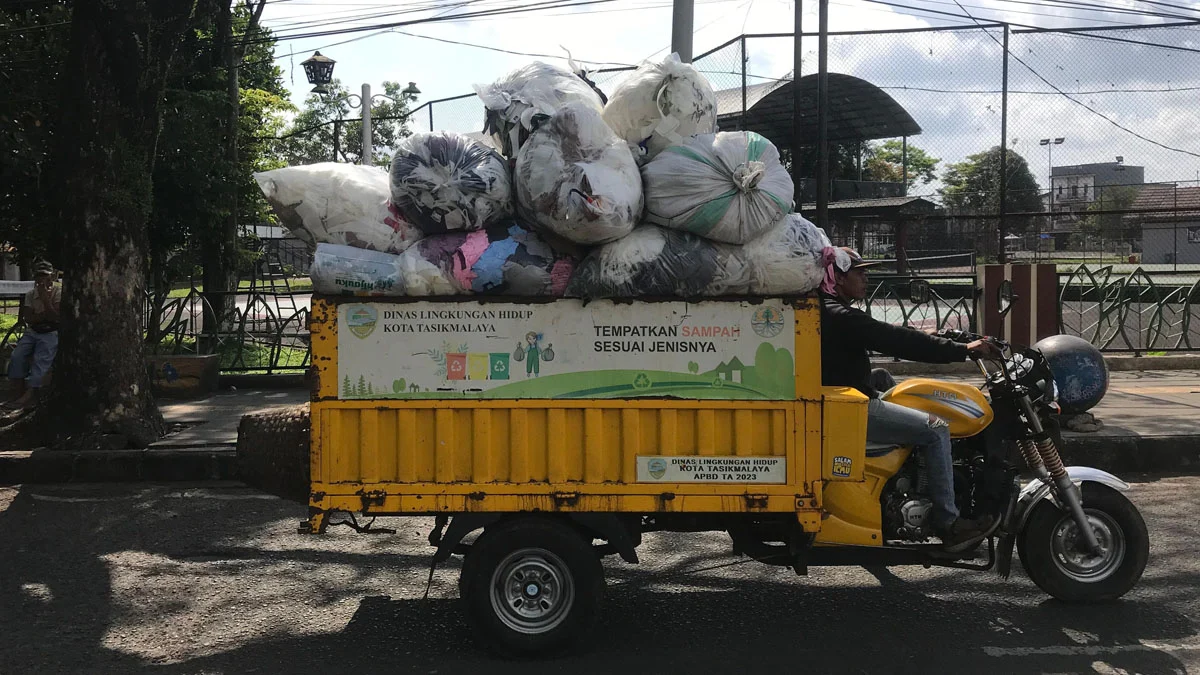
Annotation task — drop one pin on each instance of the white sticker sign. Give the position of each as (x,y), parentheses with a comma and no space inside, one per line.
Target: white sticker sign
(698,469)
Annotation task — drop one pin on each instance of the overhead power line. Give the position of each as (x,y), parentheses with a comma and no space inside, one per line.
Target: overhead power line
(1076,101)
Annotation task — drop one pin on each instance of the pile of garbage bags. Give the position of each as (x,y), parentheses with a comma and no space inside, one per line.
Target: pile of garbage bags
(728,187)
(336,203)
(638,195)
(575,178)
(538,89)
(660,105)
(442,182)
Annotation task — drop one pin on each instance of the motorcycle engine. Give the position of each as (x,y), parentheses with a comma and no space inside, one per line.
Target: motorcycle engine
(906,511)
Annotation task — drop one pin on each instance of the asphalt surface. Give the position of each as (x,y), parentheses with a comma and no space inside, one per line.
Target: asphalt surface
(137,578)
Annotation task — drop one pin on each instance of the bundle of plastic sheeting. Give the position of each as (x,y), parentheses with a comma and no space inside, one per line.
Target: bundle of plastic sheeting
(659,105)
(500,260)
(346,270)
(576,179)
(333,203)
(654,262)
(786,259)
(539,88)
(728,186)
(443,182)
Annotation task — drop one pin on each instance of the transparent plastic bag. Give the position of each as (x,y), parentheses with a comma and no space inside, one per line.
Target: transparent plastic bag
(347,270)
(334,203)
(499,260)
(539,88)
(659,105)
(576,179)
(656,262)
(728,186)
(787,259)
(445,182)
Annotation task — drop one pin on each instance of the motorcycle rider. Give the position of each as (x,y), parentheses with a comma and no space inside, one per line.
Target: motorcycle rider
(847,335)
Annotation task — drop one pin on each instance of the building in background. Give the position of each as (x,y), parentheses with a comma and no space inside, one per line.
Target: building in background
(1076,188)
(1170,224)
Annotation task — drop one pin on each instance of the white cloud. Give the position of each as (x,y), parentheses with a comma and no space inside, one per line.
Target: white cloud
(954,124)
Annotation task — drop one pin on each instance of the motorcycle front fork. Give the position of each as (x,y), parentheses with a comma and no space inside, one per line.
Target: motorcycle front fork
(1041,454)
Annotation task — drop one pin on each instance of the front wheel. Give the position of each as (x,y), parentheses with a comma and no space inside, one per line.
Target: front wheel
(1055,556)
(531,585)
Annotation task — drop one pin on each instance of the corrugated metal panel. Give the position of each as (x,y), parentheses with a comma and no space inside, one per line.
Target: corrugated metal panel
(413,442)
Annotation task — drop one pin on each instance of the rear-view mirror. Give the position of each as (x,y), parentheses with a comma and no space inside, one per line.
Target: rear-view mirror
(918,291)
(1005,297)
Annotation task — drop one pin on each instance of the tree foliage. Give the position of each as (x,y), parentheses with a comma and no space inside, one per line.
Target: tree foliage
(972,187)
(32,56)
(310,137)
(1110,226)
(885,162)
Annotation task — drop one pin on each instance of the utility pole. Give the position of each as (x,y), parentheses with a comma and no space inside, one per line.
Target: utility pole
(681,29)
(1003,257)
(797,101)
(367,147)
(823,115)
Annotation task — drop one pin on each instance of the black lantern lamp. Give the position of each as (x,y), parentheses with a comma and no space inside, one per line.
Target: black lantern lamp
(319,70)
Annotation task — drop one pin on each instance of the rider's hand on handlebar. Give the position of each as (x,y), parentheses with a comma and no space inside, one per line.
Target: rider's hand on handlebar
(984,349)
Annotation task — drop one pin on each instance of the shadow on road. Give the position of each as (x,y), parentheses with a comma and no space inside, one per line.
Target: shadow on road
(76,575)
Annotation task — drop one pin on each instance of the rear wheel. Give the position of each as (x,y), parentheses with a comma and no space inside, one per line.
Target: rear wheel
(1055,556)
(531,586)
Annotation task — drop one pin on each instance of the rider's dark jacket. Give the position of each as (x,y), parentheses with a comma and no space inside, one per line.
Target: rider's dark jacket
(847,334)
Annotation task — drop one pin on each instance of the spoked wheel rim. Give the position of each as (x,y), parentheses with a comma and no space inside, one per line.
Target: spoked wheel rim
(532,591)
(1071,555)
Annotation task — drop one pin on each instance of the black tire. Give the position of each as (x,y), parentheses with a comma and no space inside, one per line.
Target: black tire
(1050,561)
(552,573)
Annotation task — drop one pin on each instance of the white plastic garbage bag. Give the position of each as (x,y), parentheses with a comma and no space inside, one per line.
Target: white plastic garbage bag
(504,259)
(788,258)
(659,105)
(333,203)
(728,186)
(442,182)
(346,270)
(576,179)
(536,89)
(654,262)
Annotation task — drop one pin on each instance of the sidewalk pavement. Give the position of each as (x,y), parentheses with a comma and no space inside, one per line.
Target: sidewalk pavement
(1151,422)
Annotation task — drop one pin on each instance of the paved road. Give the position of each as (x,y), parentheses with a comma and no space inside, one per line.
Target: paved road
(212,579)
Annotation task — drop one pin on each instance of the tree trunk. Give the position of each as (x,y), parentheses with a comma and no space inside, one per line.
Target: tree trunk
(112,91)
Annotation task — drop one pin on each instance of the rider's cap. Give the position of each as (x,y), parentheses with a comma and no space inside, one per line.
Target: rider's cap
(857,261)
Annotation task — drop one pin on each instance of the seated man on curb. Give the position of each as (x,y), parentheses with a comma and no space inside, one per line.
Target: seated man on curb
(34,353)
(847,335)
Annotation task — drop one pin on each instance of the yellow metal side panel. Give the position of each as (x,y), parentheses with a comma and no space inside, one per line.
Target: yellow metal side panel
(407,446)
(808,349)
(322,326)
(631,443)
(481,447)
(844,434)
(855,515)
(810,432)
(368,445)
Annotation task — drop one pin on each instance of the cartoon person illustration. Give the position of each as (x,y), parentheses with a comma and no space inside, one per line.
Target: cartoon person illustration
(533,351)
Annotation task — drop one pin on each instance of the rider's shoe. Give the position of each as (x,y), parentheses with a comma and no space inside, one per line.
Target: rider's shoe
(966,533)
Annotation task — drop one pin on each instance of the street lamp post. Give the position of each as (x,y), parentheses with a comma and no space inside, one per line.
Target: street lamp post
(1050,143)
(319,71)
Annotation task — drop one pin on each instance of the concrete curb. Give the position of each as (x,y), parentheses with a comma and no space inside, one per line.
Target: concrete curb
(1122,363)
(217,462)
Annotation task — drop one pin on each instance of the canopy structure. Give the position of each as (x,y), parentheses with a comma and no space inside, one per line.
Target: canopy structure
(858,111)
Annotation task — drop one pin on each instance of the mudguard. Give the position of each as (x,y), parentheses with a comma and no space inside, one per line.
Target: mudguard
(1035,491)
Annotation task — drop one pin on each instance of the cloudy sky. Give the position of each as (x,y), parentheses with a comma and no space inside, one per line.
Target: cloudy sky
(949,81)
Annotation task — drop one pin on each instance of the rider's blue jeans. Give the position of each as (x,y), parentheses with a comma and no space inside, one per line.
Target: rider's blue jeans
(891,423)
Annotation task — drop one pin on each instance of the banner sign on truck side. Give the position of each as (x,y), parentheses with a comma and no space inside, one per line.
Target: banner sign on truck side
(563,349)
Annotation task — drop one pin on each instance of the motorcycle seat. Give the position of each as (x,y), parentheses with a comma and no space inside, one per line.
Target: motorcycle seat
(880,449)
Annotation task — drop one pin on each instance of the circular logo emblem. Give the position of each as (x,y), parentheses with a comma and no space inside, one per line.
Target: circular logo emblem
(657,467)
(767,322)
(642,381)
